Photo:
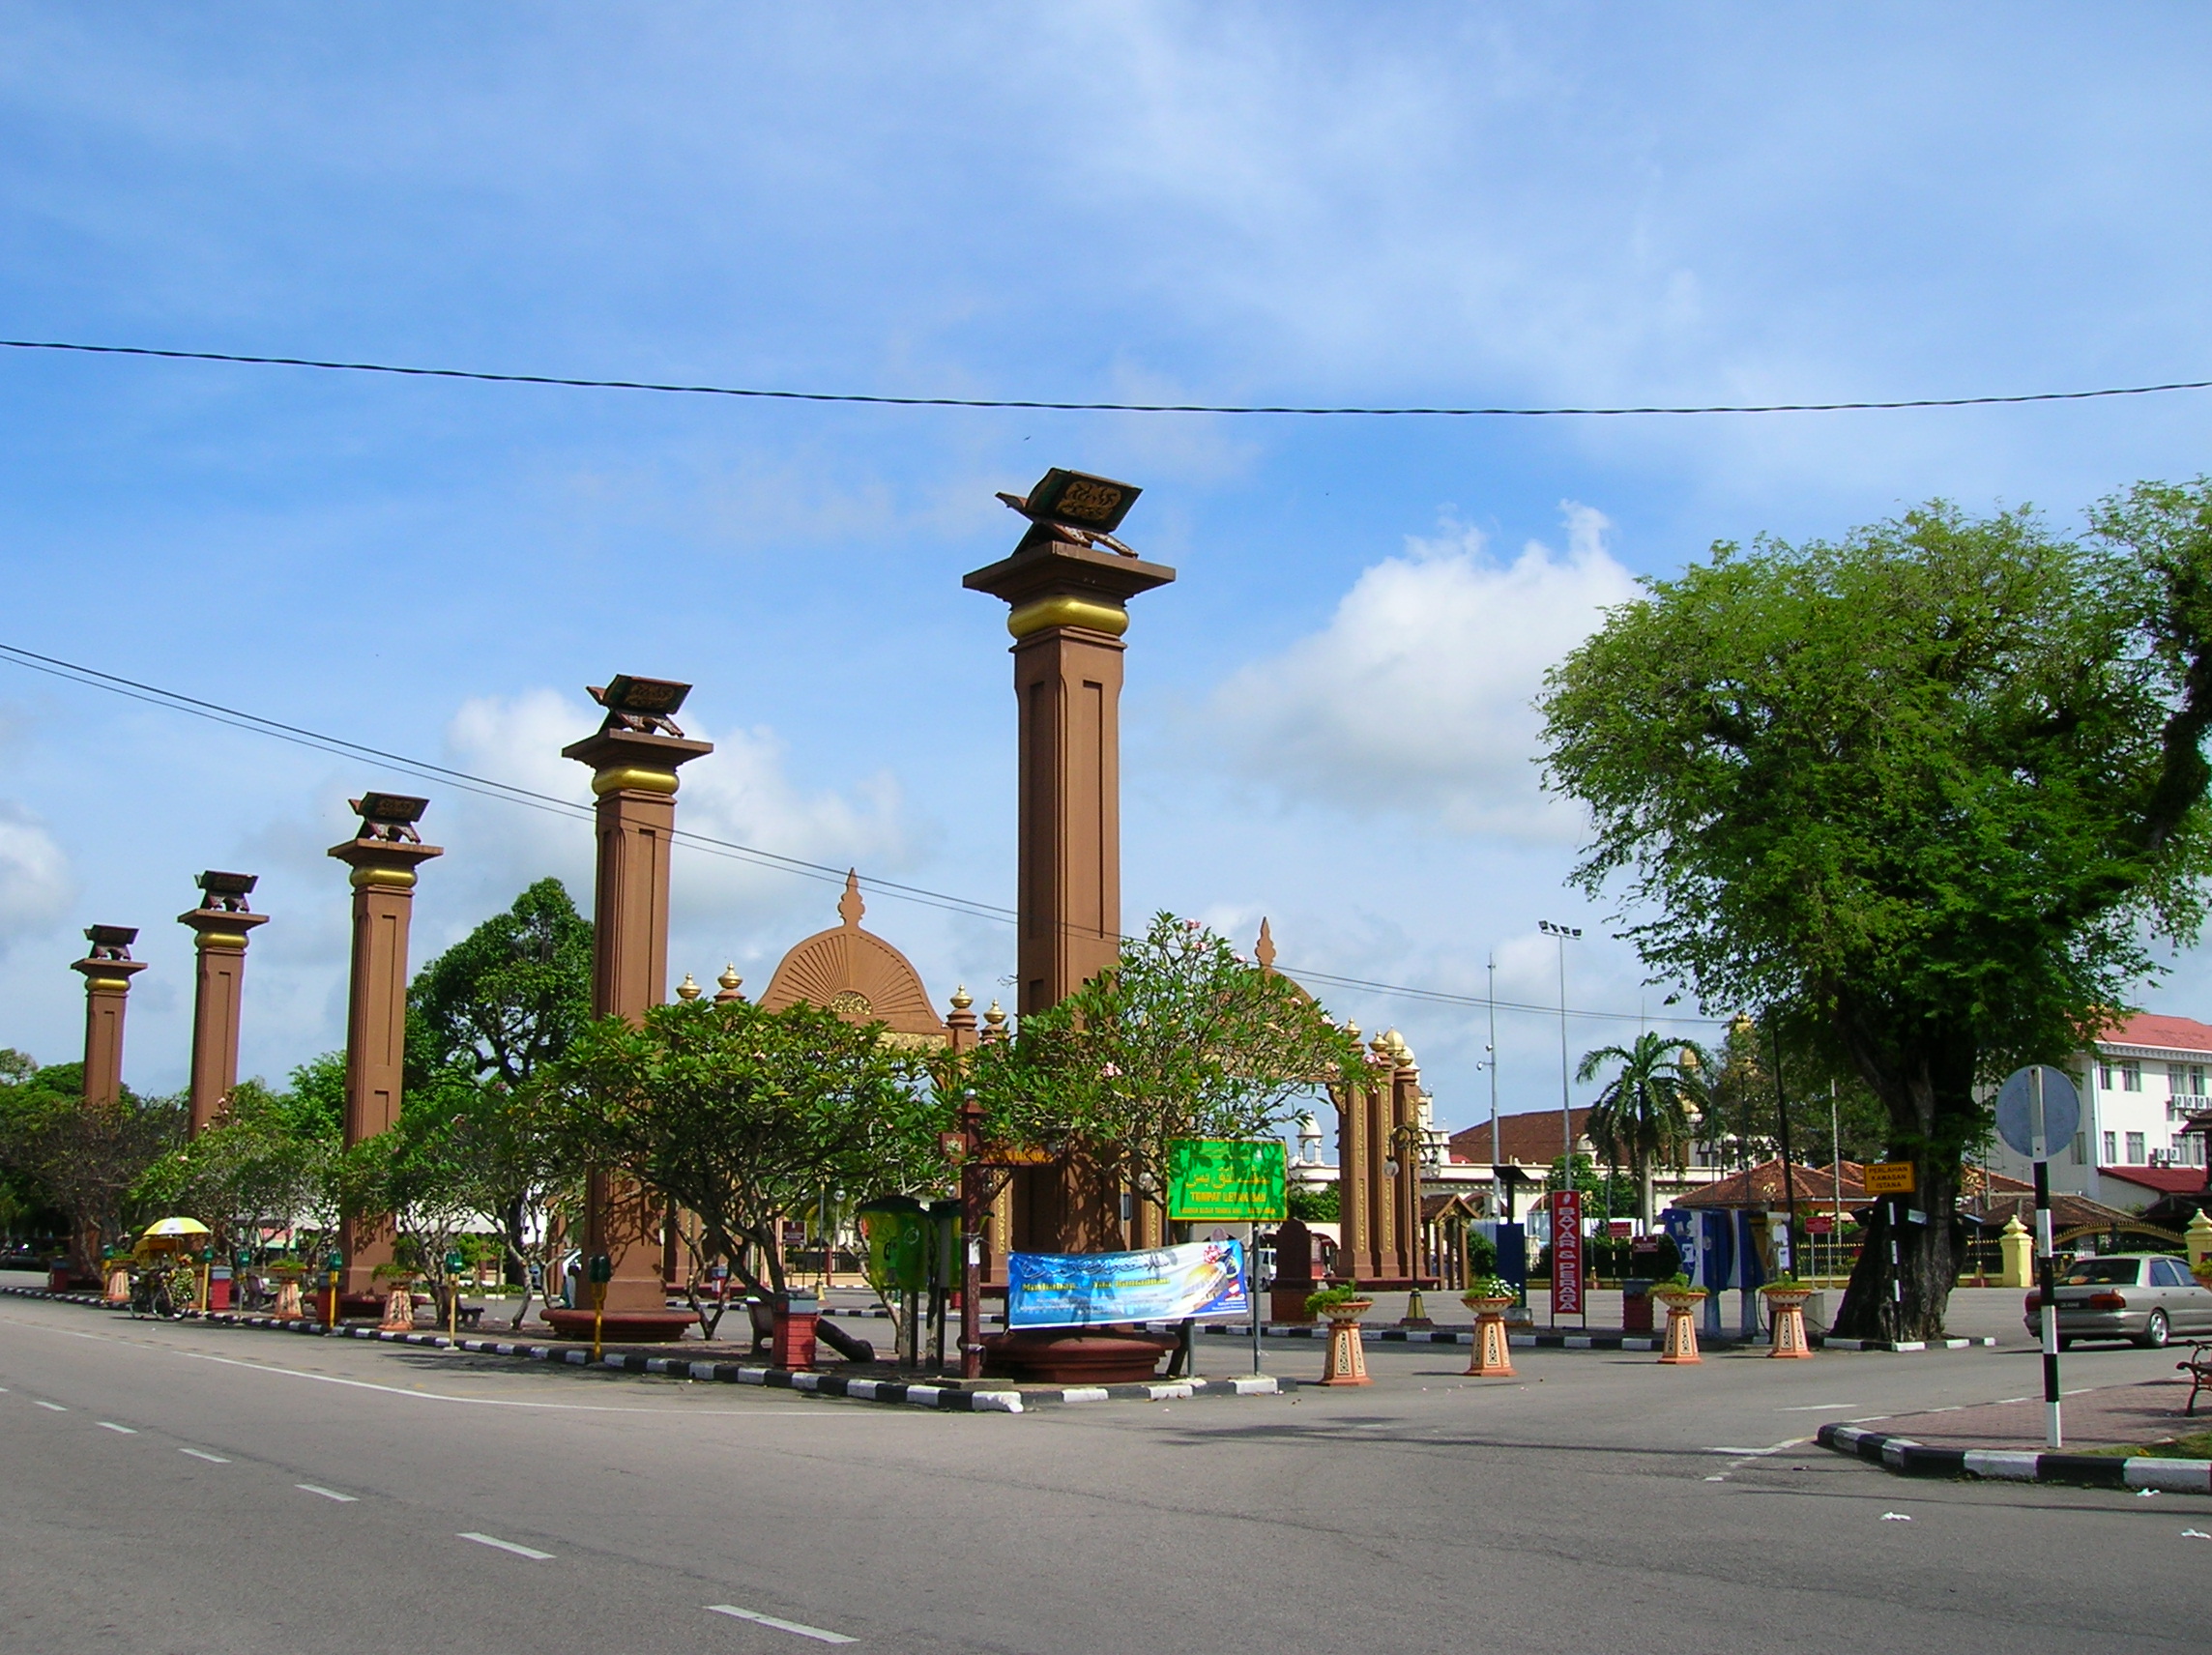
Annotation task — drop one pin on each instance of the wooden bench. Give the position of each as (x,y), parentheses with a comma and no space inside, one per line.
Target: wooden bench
(2198,1367)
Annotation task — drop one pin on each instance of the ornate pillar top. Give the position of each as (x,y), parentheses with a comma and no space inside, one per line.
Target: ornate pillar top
(107,964)
(387,848)
(224,918)
(1069,570)
(638,746)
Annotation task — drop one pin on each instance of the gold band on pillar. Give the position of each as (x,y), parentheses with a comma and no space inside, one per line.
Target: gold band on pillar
(632,778)
(1065,611)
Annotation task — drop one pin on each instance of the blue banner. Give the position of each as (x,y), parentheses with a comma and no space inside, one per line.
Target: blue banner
(1163,1283)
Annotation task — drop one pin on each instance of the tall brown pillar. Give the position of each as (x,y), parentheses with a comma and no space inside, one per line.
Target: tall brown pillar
(221,924)
(633,758)
(107,967)
(1067,584)
(383,856)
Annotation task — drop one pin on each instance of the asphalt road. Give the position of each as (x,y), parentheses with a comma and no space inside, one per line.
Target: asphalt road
(173,1488)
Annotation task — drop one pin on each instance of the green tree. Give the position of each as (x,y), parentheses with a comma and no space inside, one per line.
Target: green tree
(1926,794)
(483,1017)
(1180,1038)
(1645,1113)
(742,1115)
(85,1160)
(509,997)
(262,1164)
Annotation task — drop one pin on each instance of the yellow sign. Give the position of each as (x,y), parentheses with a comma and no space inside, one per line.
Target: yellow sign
(1889,1178)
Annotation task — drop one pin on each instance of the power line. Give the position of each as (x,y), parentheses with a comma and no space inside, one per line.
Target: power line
(488,786)
(1040,404)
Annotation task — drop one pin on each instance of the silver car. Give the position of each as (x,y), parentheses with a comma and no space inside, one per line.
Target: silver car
(2147,1297)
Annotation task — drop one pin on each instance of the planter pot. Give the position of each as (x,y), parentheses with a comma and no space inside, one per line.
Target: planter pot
(1786,1314)
(1052,1355)
(1493,1356)
(118,1289)
(398,1307)
(288,1307)
(1346,1361)
(1682,1324)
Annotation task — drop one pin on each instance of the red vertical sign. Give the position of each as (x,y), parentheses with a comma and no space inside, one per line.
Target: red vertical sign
(1567,1253)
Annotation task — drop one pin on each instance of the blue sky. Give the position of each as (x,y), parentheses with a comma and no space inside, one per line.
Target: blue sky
(1327,715)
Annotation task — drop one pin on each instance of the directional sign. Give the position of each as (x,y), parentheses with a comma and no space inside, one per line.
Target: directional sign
(2016,1111)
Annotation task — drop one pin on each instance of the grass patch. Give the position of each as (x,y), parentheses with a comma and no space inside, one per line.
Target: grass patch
(2198,1446)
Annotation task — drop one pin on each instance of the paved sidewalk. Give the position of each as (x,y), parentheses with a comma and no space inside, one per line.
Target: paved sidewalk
(2106,1417)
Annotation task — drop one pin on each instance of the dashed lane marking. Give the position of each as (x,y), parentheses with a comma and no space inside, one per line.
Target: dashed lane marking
(759,1619)
(55,1406)
(126,1429)
(203,1454)
(506,1546)
(327,1494)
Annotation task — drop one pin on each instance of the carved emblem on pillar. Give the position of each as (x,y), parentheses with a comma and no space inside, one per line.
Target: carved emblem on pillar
(383,856)
(107,968)
(633,759)
(1066,586)
(221,925)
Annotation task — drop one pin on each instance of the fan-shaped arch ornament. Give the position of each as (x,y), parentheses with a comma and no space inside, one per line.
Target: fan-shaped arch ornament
(856,975)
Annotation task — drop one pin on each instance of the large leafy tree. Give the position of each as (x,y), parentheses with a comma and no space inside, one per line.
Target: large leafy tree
(507,998)
(1924,793)
(83,1159)
(483,1017)
(742,1115)
(1647,1112)
(1181,1038)
(263,1164)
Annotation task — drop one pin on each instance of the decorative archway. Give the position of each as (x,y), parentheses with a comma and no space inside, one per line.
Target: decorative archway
(858,975)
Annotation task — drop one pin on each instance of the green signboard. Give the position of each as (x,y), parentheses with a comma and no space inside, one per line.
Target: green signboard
(1224,1181)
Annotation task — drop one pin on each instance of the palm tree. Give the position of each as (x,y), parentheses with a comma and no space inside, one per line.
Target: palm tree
(1648,1110)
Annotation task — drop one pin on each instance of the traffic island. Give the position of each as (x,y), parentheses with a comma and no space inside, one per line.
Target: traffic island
(943,1395)
(2124,1436)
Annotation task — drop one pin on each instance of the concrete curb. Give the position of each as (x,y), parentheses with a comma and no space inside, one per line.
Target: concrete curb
(945,1399)
(1905,1458)
(1546,1339)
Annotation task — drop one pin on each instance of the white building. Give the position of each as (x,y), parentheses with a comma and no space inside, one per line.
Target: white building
(2139,1084)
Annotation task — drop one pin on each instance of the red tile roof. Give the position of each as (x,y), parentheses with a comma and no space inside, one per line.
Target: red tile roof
(2166,1180)
(1530,1139)
(2147,1029)
(1762,1187)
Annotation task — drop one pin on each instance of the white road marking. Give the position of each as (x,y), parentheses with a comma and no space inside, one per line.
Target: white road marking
(506,1546)
(763,1415)
(203,1454)
(1815,1407)
(126,1429)
(755,1616)
(327,1494)
(55,1406)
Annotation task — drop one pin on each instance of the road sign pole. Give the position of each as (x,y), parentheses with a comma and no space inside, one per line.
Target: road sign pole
(2047,1272)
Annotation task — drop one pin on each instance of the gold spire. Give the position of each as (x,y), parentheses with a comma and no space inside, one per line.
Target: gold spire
(962,1000)
(729,981)
(687,990)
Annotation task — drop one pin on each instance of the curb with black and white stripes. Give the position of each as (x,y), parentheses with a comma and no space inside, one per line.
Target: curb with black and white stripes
(1910,1458)
(945,1399)
(1552,1339)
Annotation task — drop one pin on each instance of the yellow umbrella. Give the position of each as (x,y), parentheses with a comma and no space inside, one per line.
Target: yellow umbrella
(180,1228)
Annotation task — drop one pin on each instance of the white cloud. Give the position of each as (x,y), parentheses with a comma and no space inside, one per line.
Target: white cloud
(1417,695)
(36,888)
(741,792)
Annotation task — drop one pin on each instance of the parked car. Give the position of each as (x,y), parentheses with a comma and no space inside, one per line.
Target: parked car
(2147,1297)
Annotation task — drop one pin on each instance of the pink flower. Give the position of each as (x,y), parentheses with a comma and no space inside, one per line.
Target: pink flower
(1112,1071)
